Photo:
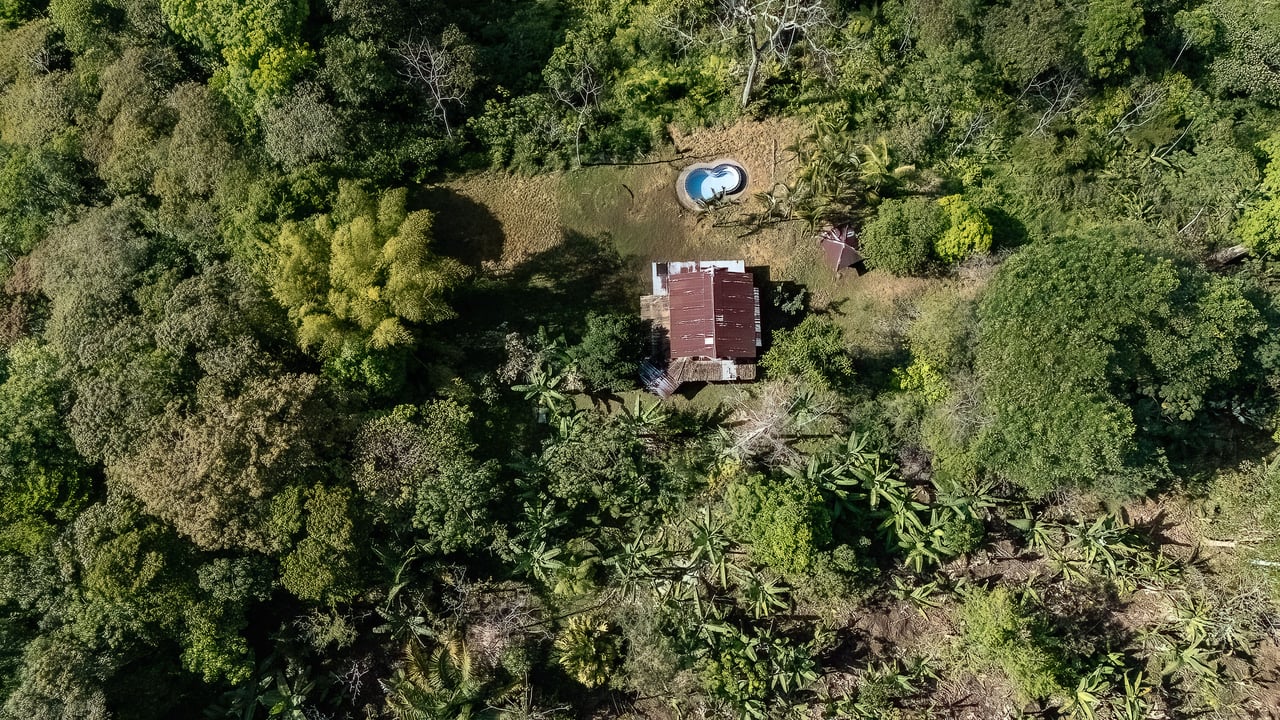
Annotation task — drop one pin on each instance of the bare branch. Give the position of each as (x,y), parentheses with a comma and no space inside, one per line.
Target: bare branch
(442,70)
(1061,93)
(1144,109)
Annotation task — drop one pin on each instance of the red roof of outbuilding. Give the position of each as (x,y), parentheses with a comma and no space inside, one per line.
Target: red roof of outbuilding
(840,255)
(713,314)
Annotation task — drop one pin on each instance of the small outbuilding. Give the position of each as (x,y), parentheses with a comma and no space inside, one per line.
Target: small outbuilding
(841,247)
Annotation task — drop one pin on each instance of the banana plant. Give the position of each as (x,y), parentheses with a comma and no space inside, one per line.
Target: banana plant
(966,501)
(538,560)
(919,596)
(1133,704)
(1084,702)
(544,390)
(833,480)
(286,698)
(635,564)
(1041,535)
(710,544)
(1196,658)
(402,624)
(763,595)
(921,547)
(645,419)
(883,486)
(440,684)
(1105,544)
(791,665)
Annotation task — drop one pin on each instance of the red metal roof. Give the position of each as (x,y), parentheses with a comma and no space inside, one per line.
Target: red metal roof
(842,246)
(839,255)
(713,314)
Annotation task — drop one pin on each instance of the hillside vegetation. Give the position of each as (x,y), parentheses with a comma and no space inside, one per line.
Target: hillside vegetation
(319,347)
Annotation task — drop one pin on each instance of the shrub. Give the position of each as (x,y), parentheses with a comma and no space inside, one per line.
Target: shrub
(785,522)
(969,233)
(902,237)
(814,352)
(1000,632)
(608,358)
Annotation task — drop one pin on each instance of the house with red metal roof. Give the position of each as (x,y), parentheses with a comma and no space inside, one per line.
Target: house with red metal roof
(705,317)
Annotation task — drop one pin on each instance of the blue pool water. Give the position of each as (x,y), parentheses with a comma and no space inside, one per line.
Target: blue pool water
(706,183)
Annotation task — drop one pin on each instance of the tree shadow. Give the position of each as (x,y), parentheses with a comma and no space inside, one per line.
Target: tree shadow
(464,229)
(555,288)
(1007,231)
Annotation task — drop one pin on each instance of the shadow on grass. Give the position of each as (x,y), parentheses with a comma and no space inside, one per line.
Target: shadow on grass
(555,289)
(463,228)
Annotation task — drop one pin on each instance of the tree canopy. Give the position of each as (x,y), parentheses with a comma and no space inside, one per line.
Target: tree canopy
(1086,341)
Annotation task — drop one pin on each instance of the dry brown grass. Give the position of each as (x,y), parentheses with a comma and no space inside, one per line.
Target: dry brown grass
(499,220)
(525,210)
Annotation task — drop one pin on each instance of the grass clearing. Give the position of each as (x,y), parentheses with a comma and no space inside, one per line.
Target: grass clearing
(499,222)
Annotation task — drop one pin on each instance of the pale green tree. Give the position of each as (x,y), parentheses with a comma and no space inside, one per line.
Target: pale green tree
(364,273)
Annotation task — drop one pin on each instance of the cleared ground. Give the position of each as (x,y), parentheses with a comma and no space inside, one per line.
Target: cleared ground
(502,223)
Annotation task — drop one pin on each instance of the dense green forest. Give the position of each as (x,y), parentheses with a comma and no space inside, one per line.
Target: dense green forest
(272,449)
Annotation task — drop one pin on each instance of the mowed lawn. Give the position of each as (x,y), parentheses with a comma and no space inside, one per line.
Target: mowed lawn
(500,222)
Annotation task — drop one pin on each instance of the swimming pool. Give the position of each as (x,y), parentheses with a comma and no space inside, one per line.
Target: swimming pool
(704,182)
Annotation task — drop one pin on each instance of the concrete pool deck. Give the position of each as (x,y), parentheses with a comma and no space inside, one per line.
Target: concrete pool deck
(740,177)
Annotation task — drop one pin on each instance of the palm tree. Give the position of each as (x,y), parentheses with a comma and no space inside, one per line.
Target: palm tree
(439,685)
(588,650)
(878,171)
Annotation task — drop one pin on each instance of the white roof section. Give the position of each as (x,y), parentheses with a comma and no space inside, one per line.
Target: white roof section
(662,270)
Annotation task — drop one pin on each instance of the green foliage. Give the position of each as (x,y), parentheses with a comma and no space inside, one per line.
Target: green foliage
(923,379)
(814,352)
(752,671)
(362,274)
(1112,31)
(419,466)
(224,473)
(521,132)
(1259,226)
(608,358)
(42,478)
(324,564)
(59,678)
(227,420)
(785,521)
(1243,507)
(588,650)
(902,237)
(1002,632)
(1244,40)
(213,649)
(1062,320)
(969,232)
(260,42)
(1027,39)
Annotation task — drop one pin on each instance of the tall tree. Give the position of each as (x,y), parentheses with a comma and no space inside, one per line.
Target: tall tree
(226,473)
(364,273)
(1087,344)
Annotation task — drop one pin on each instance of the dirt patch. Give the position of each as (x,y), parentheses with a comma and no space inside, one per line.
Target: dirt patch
(966,696)
(760,147)
(1265,697)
